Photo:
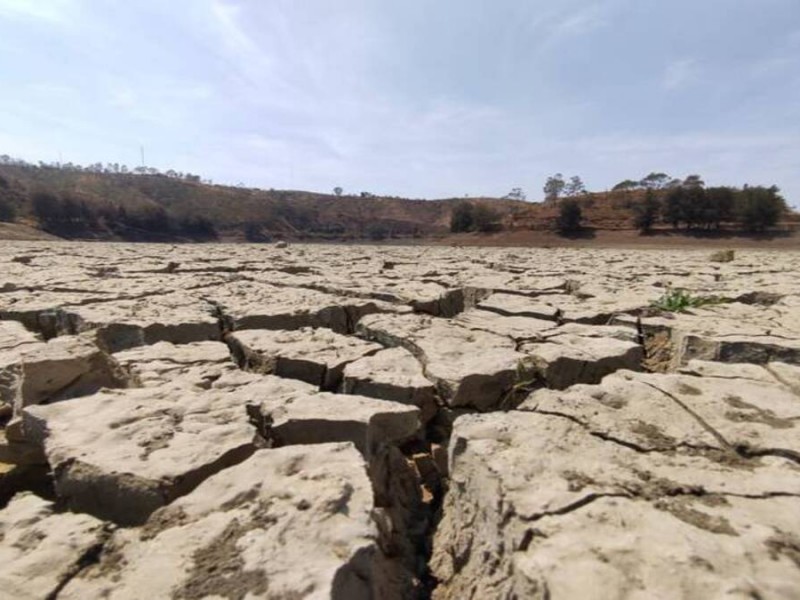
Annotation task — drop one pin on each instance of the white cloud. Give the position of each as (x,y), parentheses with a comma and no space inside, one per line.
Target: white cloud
(227,16)
(123,98)
(699,141)
(53,11)
(47,89)
(271,69)
(793,39)
(557,23)
(582,21)
(680,73)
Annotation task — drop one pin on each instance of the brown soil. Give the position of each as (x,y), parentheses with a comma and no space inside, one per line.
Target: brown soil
(622,238)
(20,232)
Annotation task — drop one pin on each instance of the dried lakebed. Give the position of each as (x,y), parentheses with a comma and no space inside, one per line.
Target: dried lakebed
(353,422)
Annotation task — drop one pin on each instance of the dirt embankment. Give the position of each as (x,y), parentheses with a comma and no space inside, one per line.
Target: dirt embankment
(624,239)
(18,232)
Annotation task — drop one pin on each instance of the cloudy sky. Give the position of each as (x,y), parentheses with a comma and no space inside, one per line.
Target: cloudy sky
(415,98)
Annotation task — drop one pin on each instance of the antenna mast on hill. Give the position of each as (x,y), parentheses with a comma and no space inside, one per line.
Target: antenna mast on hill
(141,148)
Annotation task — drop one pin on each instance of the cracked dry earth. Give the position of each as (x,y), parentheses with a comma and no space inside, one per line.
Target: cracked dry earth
(387,422)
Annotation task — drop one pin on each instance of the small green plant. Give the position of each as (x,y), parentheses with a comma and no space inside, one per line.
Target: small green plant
(679,300)
(525,382)
(723,256)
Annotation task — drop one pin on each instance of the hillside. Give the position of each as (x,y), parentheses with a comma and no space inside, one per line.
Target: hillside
(608,211)
(101,204)
(235,213)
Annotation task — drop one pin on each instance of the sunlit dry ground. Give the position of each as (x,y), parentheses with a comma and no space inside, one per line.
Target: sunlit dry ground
(340,421)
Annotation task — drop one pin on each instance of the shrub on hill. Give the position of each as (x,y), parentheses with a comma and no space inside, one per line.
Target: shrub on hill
(463,218)
(467,217)
(570,216)
(253,233)
(198,228)
(46,208)
(8,212)
(378,232)
(486,219)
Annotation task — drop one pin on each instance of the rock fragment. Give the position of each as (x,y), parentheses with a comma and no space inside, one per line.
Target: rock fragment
(178,317)
(287,523)
(14,335)
(392,374)
(592,310)
(471,368)
(316,356)
(564,359)
(730,332)
(43,549)
(535,496)
(136,450)
(440,301)
(62,368)
(193,365)
(290,412)
(747,412)
(515,327)
(722,256)
(257,305)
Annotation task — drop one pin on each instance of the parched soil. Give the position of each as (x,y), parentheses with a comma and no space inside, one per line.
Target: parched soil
(376,421)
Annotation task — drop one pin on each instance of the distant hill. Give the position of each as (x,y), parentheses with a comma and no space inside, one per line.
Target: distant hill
(103,203)
(609,211)
(153,207)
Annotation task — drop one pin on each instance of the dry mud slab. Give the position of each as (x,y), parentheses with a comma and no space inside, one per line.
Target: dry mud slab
(255,421)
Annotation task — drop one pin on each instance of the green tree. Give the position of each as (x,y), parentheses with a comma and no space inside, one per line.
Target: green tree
(646,211)
(463,218)
(694,206)
(516,194)
(570,216)
(627,185)
(575,187)
(673,209)
(338,191)
(758,208)
(720,206)
(554,187)
(693,181)
(655,181)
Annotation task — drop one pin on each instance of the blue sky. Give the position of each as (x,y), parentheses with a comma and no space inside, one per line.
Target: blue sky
(415,98)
